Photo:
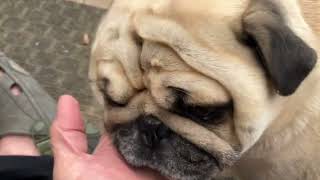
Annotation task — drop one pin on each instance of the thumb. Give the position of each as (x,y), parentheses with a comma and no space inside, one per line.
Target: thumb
(67,130)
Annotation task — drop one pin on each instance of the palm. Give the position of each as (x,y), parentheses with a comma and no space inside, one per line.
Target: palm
(72,161)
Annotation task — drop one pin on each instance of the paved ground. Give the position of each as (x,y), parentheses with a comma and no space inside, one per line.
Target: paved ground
(45,37)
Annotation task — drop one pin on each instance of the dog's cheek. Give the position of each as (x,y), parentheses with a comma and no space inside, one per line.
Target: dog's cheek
(226,131)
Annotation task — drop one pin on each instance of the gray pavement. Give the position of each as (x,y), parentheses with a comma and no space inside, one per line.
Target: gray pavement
(45,37)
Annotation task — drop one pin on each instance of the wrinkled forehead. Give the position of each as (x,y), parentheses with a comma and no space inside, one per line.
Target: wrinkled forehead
(155,55)
(192,13)
(212,23)
(215,8)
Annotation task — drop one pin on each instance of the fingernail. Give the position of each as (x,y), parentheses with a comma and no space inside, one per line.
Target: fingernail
(68,113)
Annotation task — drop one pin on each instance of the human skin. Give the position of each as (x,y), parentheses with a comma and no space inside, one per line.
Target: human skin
(69,144)
(73,162)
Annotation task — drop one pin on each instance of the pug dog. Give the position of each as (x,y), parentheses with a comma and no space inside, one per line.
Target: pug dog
(212,88)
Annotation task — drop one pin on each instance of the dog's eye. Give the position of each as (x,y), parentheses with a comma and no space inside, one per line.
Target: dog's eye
(204,114)
(209,114)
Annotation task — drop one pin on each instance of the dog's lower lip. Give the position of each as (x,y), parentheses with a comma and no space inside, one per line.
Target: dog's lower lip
(216,161)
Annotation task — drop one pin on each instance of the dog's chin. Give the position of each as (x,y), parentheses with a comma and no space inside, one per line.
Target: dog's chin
(173,156)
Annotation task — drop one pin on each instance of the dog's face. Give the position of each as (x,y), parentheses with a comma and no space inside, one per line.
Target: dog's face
(188,86)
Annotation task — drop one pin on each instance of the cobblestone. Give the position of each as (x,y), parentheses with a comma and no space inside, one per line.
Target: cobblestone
(45,36)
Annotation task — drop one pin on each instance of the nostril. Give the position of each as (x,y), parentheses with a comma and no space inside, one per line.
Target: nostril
(149,139)
(152,131)
(163,132)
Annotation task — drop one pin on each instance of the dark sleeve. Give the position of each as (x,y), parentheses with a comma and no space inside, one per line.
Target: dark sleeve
(26,168)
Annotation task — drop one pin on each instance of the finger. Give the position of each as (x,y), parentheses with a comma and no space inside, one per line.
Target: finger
(105,147)
(67,131)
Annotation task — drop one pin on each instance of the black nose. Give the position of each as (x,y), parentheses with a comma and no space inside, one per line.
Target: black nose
(152,131)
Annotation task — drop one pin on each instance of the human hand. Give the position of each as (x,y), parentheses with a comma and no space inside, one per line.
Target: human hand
(71,159)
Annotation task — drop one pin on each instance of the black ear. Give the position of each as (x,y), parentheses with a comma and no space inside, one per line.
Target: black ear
(287,58)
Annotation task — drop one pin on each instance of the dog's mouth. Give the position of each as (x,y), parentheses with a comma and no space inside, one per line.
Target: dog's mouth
(147,142)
